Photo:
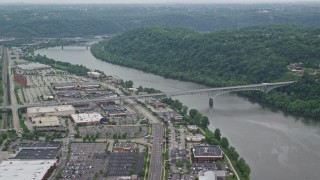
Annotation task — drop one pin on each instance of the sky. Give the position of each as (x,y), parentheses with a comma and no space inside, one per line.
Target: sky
(156,1)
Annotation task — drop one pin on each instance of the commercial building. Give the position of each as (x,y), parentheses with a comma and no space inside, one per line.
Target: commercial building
(48,121)
(206,153)
(86,118)
(96,75)
(38,153)
(115,111)
(21,79)
(75,85)
(192,128)
(64,110)
(32,68)
(26,169)
(196,138)
(124,147)
(40,145)
(212,175)
(158,105)
(117,80)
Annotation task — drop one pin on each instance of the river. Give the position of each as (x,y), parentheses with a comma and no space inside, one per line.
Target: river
(276,146)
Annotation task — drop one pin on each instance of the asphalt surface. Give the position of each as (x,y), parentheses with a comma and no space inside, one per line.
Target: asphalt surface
(15,116)
(5,61)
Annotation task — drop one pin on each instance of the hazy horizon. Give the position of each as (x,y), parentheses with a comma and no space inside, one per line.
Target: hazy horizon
(156,1)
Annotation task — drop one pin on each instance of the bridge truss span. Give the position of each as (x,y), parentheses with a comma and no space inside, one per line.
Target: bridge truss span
(214,92)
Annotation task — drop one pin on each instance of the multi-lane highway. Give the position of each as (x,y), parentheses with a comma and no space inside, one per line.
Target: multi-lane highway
(5,62)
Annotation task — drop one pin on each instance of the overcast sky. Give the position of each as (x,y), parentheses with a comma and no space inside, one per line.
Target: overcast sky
(155,1)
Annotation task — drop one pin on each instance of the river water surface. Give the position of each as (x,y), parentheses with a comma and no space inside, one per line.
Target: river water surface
(276,146)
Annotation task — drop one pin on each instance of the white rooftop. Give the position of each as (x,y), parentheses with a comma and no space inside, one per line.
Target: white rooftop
(86,117)
(32,66)
(24,169)
(46,121)
(50,109)
(206,175)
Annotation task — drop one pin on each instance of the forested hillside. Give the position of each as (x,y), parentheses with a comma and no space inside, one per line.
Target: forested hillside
(230,57)
(83,20)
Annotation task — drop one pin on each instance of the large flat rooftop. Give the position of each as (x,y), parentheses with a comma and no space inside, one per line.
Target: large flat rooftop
(86,117)
(207,151)
(46,121)
(50,109)
(22,169)
(34,154)
(32,66)
(41,145)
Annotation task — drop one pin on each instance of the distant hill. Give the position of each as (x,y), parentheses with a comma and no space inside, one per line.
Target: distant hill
(83,20)
(231,57)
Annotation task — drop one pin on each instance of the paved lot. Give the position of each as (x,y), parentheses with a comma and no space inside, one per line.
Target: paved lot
(107,131)
(86,160)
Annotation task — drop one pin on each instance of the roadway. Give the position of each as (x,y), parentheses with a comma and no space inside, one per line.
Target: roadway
(13,99)
(156,167)
(5,61)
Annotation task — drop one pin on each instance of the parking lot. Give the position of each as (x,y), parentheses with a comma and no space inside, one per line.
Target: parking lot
(33,94)
(86,160)
(125,164)
(120,132)
(89,160)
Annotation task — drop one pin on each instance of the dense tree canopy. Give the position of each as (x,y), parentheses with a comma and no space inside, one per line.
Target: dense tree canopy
(229,57)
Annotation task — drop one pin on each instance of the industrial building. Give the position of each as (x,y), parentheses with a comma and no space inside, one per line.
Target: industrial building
(86,118)
(48,121)
(206,153)
(26,169)
(32,68)
(64,110)
(75,85)
(124,147)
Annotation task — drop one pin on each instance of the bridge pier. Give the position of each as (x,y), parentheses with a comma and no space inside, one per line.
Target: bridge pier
(211,102)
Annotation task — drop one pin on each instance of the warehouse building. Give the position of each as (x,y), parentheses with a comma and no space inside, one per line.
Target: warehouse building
(48,121)
(32,68)
(75,85)
(64,110)
(26,169)
(206,153)
(86,118)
